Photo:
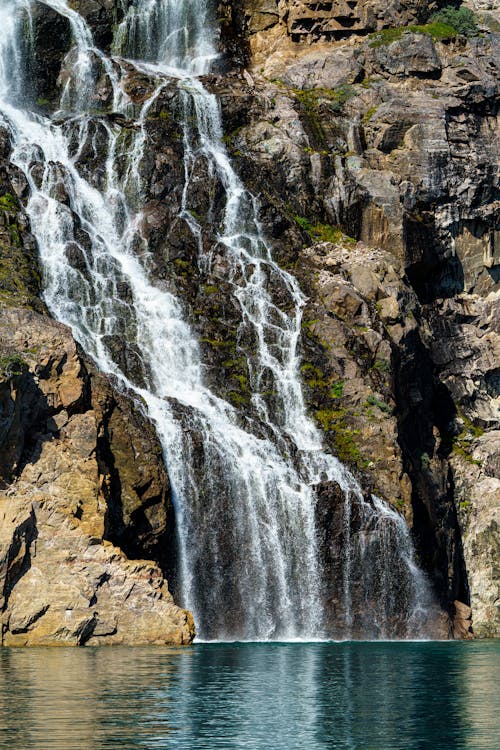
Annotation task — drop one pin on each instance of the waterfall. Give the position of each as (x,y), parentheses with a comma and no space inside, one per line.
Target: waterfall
(250,563)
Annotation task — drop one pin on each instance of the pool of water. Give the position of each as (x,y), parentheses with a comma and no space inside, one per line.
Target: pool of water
(371,696)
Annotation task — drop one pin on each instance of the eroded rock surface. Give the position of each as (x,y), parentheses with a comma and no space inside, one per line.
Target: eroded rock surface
(375,160)
(81,468)
(391,139)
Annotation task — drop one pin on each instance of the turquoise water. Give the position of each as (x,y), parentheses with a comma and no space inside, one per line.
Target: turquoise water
(371,696)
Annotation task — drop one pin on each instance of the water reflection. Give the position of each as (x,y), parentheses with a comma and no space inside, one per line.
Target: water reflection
(371,696)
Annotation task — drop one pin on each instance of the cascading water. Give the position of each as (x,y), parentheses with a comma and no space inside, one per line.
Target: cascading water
(249,565)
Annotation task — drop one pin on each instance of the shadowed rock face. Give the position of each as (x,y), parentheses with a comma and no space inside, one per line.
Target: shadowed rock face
(391,145)
(305,20)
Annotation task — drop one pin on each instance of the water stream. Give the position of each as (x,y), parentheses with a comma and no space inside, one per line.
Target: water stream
(249,565)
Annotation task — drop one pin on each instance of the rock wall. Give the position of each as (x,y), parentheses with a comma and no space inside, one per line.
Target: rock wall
(374,158)
(84,495)
(390,140)
(335,19)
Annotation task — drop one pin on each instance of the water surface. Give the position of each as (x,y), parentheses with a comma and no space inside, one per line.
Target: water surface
(371,696)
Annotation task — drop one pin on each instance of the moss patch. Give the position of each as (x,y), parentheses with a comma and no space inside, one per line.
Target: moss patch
(323,232)
(437,30)
(368,115)
(12,364)
(333,422)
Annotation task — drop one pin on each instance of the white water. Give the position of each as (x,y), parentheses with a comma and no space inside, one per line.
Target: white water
(249,566)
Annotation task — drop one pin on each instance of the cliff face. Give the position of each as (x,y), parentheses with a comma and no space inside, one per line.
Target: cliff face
(374,157)
(391,139)
(84,495)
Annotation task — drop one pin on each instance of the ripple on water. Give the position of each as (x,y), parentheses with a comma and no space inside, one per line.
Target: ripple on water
(318,696)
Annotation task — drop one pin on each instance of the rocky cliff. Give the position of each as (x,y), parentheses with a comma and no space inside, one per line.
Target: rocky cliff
(84,495)
(368,135)
(388,135)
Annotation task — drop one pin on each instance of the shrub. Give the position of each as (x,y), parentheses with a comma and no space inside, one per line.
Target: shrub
(462,20)
(12,365)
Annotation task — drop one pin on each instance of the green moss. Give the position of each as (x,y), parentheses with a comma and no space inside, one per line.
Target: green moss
(438,30)
(382,365)
(460,450)
(368,115)
(209,288)
(19,275)
(183,267)
(316,380)
(8,202)
(337,390)
(14,234)
(374,401)
(323,232)
(238,399)
(470,427)
(307,367)
(425,461)
(313,103)
(217,344)
(242,381)
(12,364)
(332,421)
(334,98)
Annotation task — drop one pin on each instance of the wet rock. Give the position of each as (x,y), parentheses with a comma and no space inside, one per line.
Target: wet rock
(391,145)
(51,42)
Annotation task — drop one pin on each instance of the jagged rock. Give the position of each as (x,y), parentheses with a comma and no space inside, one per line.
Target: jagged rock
(412,55)
(476,475)
(305,19)
(393,143)
(391,165)
(81,468)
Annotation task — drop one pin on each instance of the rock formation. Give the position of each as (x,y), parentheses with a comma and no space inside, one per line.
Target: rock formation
(84,495)
(390,138)
(369,138)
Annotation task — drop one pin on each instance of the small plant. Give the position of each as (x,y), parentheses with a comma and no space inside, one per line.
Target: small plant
(12,364)
(374,401)
(382,365)
(210,289)
(337,389)
(324,232)
(8,202)
(425,461)
(462,20)
(368,115)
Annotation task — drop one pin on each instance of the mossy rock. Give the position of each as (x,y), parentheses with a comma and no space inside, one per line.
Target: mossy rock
(439,31)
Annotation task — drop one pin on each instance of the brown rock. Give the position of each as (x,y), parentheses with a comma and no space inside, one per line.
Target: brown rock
(81,468)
